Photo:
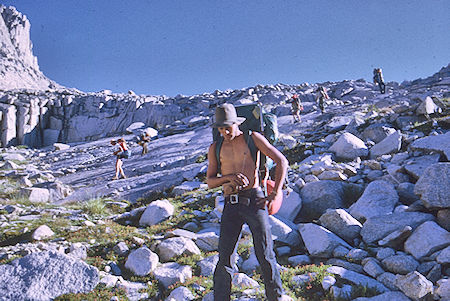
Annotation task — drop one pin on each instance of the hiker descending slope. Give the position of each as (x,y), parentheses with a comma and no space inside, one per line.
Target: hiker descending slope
(321,96)
(378,79)
(244,201)
(296,107)
(121,153)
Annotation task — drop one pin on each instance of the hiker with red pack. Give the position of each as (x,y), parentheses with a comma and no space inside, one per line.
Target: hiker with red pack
(121,153)
(296,107)
(245,201)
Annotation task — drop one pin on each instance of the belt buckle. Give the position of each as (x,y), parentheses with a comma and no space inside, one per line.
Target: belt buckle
(234,198)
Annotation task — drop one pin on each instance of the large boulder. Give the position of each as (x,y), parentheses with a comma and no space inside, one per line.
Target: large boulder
(291,206)
(319,196)
(427,106)
(171,272)
(142,261)
(176,246)
(416,166)
(284,231)
(376,228)
(377,132)
(438,143)
(433,186)
(400,264)
(349,147)
(414,285)
(35,194)
(156,212)
(319,241)
(426,239)
(45,276)
(379,198)
(341,223)
(389,296)
(390,144)
(356,278)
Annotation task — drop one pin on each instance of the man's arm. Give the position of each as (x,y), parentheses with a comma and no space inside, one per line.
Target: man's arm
(211,174)
(282,163)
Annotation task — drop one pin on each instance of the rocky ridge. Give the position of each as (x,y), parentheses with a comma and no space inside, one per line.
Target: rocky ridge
(18,66)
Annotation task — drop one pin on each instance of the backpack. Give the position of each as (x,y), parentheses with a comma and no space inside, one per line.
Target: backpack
(257,120)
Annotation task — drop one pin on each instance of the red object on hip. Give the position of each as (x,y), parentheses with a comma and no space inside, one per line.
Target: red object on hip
(276,203)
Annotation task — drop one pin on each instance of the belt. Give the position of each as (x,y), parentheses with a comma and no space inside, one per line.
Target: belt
(244,197)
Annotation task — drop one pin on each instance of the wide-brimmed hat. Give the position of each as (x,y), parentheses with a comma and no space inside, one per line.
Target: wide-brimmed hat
(226,115)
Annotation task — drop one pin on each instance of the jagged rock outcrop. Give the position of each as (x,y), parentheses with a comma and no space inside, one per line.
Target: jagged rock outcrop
(18,66)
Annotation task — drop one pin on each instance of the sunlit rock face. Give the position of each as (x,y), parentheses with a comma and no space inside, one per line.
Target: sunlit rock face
(18,66)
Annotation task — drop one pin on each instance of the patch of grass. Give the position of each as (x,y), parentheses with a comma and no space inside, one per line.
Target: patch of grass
(309,291)
(201,159)
(99,293)
(22,146)
(19,162)
(297,154)
(200,286)
(190,260)
(363,291)
(17,232)
(103,234)
(8,260)
(96,207)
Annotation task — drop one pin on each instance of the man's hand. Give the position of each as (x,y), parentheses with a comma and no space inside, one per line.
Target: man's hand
(238,181)
(261,203)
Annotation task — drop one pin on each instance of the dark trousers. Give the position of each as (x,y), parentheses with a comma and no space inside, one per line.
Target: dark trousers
(382,87)
(233,218)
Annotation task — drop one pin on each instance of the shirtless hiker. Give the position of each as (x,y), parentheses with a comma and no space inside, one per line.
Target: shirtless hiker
(244,201)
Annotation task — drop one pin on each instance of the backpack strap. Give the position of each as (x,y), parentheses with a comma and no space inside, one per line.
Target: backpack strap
(219,143)
(250,143)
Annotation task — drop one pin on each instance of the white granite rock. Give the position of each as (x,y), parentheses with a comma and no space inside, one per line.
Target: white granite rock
(42,232)
(319,241)
(438,143)
(208,265)
(426,239)
(379,198)
(414,285)
(349,147)
(432,187)
(171,272)
(390,144)
(207,241)
(181,293)
(378,227)
(176,246)
(291,206)
(156,212)
(142,261)
(341,223)
(45,276)
(400,264)
(356,278)
(36,195)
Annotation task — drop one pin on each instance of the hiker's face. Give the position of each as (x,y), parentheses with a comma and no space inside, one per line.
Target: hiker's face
(228,132)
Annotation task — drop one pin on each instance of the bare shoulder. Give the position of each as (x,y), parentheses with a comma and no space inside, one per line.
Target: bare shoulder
(259,138)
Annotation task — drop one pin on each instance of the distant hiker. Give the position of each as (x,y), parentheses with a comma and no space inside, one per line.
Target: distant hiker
(378,79)
(296,106)
(143,141)
(121,153)
(244,201)
(321,96)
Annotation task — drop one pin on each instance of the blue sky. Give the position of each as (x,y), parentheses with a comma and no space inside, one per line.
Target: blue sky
(193,46)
